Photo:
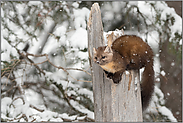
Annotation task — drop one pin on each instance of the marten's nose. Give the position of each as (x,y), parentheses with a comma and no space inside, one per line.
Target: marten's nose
(98,62)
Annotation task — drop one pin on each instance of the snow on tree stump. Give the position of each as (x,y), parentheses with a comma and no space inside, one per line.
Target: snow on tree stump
(112,102)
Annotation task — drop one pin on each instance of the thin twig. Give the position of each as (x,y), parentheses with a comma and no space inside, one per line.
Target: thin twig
(16,99)
(41,110)
(79,70)
(67,99)
(59,67)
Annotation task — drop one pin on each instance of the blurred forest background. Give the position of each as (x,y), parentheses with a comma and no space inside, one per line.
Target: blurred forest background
(45,73)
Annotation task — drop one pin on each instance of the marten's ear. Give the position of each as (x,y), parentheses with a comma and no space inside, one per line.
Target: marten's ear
(109,39)
(108,50)
(94,50)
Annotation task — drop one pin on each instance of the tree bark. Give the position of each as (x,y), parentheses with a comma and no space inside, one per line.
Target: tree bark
(112,102)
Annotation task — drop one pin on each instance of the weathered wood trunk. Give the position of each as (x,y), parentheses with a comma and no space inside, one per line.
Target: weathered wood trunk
(112,102)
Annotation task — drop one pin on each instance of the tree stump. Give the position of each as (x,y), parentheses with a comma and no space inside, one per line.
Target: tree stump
(112,102)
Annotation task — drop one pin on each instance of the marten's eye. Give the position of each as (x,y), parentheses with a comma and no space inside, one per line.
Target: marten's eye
(103,57)
(96,58)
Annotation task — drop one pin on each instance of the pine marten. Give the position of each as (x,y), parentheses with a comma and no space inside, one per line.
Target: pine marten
(128,52)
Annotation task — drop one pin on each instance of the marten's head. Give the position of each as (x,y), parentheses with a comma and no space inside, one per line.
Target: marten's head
(102,55)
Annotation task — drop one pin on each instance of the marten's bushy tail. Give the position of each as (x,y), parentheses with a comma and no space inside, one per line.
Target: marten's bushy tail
(147,85)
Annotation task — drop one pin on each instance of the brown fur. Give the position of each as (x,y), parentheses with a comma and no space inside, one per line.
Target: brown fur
(128,52)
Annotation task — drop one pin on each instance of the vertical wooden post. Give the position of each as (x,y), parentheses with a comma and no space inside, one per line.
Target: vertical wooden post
(112,102)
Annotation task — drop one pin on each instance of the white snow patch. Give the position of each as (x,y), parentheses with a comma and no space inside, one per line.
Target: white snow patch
(173,63)
(79,38)
(158,79)
(89,113)
(168,94)
(36,3)
(87,92)
(165,111)
(180,42)
(127,72)
(5,56)
(163,73)
(117,32)
(5,102)
(61,29)
(75,5)
(80,16)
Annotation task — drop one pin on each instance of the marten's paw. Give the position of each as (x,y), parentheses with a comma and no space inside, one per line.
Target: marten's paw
(116,78)
(109,75)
